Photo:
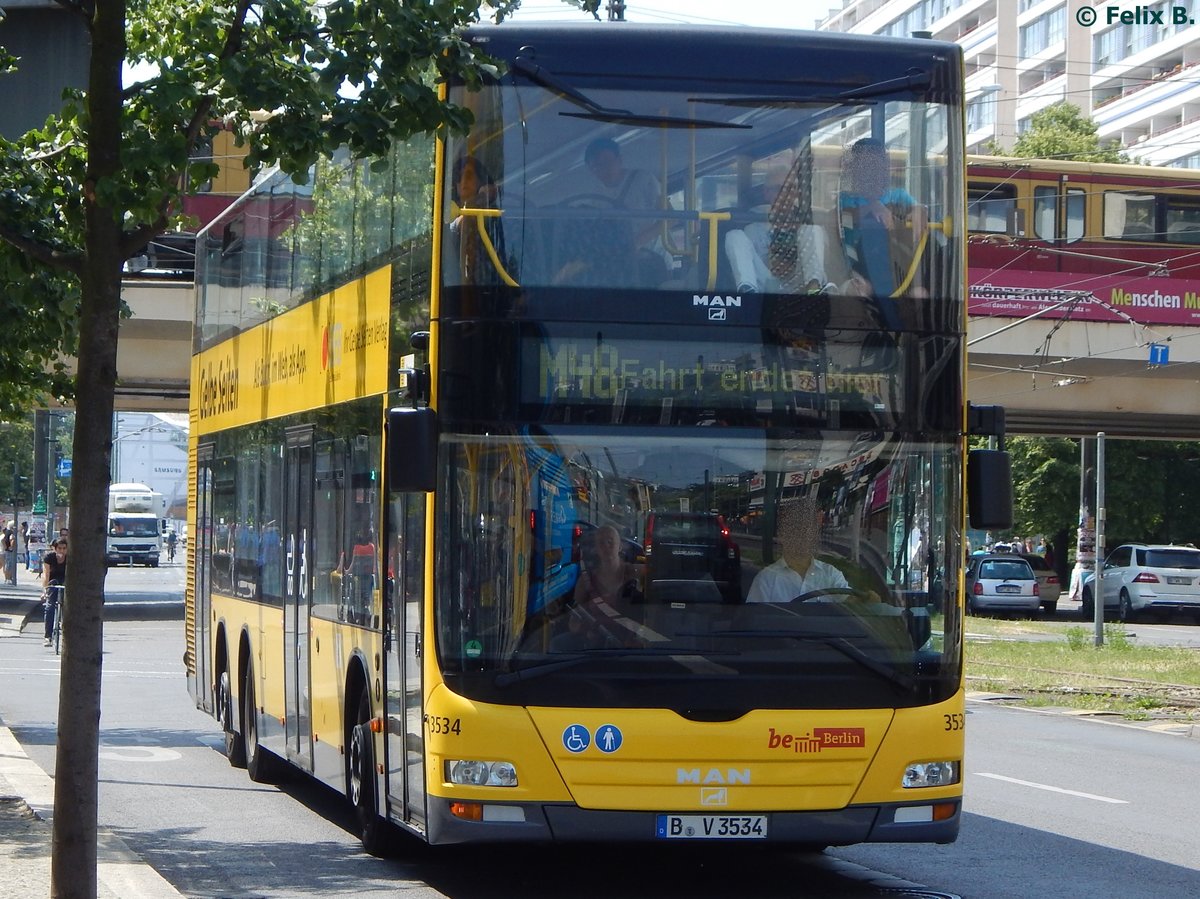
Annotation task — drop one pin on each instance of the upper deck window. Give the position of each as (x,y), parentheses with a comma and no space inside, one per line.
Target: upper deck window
(727,191)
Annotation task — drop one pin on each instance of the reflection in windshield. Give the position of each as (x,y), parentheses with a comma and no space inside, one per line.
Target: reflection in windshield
(743,559)
(584,186)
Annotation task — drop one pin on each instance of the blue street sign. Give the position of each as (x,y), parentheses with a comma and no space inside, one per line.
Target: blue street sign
(64,468)
(1159,353)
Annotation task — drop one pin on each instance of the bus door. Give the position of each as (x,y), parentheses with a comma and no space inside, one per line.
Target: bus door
(201,537)
(404,601)
(297,594)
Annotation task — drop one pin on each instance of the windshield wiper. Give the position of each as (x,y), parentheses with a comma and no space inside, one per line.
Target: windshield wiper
(538,75)
(507,678)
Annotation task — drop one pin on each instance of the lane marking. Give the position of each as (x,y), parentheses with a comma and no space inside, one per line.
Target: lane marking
(1037,786)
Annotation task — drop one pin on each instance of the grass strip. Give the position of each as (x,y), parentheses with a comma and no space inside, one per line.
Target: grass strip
(1137,682)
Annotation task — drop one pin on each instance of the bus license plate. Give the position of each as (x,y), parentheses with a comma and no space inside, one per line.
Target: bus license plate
(712,827)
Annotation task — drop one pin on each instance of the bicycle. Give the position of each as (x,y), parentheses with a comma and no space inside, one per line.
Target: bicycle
(55,596)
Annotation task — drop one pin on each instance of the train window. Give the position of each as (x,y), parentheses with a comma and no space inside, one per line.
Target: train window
(989,205)
(1045,212)
(1128,216)
(1183,220)
(1076,205)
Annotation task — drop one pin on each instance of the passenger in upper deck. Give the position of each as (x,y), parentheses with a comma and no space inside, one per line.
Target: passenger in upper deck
(872,215)
(612,252)
(781,252)
(471,187)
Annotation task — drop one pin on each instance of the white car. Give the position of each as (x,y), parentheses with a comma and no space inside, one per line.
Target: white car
(1139,577)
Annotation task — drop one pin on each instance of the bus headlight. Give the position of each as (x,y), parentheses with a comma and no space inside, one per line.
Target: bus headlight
(930,774)
(475,773)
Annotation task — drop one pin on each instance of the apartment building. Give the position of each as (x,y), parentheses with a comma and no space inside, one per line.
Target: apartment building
(1135,75)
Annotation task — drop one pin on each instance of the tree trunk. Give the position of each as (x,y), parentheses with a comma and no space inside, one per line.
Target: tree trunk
(73,868)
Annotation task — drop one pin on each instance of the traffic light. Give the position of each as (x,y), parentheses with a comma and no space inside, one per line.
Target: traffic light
(18,485)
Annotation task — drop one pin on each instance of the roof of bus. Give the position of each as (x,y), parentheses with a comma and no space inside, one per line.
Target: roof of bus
(1071,167)
(714,53)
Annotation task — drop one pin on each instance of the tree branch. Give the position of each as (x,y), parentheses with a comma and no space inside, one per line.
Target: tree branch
(71,262)
(134,240)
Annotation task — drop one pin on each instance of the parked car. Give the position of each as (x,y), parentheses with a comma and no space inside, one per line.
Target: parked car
(1001,581)
(1139,577)
(1048,583)
(691,548)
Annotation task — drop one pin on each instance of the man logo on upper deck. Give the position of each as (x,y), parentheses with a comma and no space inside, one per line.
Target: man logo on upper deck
(717,305)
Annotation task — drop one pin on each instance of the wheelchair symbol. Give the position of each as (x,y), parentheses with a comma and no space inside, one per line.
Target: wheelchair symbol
(576,738)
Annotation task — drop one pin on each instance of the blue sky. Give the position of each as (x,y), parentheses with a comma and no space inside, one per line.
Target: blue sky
(764,13)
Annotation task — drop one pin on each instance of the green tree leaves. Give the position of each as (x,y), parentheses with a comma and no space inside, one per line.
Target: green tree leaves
(1062,131)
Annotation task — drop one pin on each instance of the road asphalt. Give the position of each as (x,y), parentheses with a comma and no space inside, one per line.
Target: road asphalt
(27,792)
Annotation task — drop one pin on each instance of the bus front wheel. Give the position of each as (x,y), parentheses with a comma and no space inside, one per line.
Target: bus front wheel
(374,831)
(235,744)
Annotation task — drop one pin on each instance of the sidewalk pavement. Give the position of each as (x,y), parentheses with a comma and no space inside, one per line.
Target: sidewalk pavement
(27,811)
(20,603)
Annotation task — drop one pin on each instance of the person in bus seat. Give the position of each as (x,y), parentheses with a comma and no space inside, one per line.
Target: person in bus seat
(872,214)
(797,571)
(609,252)
(472,187)
(779,252)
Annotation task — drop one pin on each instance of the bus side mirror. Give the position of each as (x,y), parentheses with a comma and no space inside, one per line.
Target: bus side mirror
(989,489)
(412,439)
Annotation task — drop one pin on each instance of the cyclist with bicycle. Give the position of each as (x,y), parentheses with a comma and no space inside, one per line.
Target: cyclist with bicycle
(54,574)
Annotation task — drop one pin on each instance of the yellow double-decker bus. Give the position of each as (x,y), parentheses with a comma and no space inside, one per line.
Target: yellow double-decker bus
(601,473)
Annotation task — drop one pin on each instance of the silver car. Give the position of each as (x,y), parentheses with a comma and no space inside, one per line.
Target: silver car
(1003,582)
(1048,584)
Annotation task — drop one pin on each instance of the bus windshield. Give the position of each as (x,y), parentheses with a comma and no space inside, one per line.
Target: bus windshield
(734,189)
(636,563)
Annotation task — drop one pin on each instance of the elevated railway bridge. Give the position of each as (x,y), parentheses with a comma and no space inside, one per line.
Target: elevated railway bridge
(1096,369)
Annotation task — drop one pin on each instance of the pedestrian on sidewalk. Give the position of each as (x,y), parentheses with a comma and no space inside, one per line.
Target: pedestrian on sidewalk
(54,573)
(9,544)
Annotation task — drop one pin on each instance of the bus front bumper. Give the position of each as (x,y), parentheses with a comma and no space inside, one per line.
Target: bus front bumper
(518,822)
